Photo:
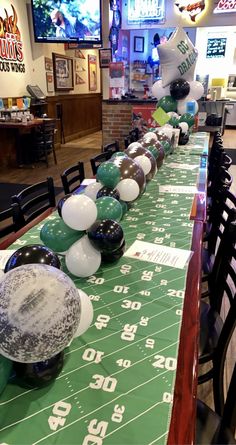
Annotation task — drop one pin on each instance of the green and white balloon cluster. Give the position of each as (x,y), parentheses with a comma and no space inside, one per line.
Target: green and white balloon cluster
(177,93)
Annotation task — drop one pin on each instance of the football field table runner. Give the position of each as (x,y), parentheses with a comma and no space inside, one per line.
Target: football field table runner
(117,383)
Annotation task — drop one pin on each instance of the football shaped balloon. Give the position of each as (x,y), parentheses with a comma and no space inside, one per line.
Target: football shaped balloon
(177,58)
(40,312)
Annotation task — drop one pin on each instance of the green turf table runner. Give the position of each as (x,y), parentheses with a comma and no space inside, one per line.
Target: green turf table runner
(118,379)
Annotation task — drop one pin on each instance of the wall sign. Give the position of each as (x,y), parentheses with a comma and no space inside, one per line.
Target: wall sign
(191,9)
(216,47)
(225,6)
(11,45)
(141,11)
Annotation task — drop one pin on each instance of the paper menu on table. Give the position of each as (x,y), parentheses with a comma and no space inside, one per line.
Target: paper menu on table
(88,181)
(153,253)
(185,189)
(4,256)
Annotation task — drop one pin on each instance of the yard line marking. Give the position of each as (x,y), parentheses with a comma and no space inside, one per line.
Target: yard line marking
(150,443)
(83,389)
(97,409)
(114,352)
(125,296)
(134,418)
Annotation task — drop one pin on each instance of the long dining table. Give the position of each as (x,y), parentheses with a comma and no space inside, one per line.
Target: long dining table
(132,377)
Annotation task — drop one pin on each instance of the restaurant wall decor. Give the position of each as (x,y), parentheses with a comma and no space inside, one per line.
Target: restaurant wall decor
(11,45)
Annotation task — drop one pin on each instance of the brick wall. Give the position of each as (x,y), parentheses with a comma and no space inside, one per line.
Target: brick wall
(116,122)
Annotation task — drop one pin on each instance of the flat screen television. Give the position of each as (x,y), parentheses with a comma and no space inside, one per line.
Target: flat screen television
(67,21)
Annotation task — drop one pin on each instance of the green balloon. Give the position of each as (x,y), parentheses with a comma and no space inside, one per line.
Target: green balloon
(187,117)
(174,121)
(167,103)
(56,235)
(167,147)
(118,154)
(153,150)
(5,371)
(124,207)
(109,208)
(108,174)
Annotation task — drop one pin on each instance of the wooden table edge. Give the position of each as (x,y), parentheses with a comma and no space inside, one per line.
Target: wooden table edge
(182,426)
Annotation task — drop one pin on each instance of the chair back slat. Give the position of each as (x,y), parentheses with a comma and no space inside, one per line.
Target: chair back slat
(68,180)
(99,159)
(35,199)
(12,220)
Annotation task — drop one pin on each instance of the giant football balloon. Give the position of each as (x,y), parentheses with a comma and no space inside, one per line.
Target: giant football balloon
(177,58)
(40,313)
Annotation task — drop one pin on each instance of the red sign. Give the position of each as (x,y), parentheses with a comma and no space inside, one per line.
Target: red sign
(142,118)
(11,46)
(225,6)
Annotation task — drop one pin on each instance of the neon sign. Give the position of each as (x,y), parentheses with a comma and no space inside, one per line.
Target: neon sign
(191,9)
(11,46)
(146,11)
(225,6)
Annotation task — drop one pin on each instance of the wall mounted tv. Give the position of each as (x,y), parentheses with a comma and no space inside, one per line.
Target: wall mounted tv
(67,21)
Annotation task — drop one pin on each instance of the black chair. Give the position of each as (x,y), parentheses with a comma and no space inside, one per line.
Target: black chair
(43,141)
(133,136)
(98,160)
(113,147)
(10,220)
(72,177)
(211,323)
(218,427)
(35,199)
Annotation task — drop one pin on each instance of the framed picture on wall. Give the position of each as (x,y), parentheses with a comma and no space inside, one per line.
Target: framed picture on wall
(92,72)
(138,44)
(63,72)
(105,57)
(49,80)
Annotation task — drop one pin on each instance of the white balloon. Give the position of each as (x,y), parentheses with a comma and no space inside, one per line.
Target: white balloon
(79,212)
(173,114)
(92,190)
(144,163)
(128,189)
(177,58)
(159,91)
(40,312)
(134,145)
(86,315)
(182,107)
(184,126)
(196,89)
(82,260)
(2,274)
(150,136)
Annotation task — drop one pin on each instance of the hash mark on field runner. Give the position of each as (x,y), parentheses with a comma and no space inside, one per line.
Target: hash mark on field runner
(158,438)
(87,387)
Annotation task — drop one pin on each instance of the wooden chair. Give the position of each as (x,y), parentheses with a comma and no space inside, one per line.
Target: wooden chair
(72,177)
(133,136)
(113,147)
(35,199)
(43,143)
(97,160)
(10,220)
(218,427)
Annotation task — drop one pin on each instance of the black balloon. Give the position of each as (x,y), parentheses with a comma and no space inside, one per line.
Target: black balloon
(61,202)
(106,235)
(31,375)
(106,191)
(179,89)
(183,138)
(32,254)
(111,257)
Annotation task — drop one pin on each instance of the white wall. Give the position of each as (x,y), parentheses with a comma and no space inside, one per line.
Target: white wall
(14,84)
(221,67)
